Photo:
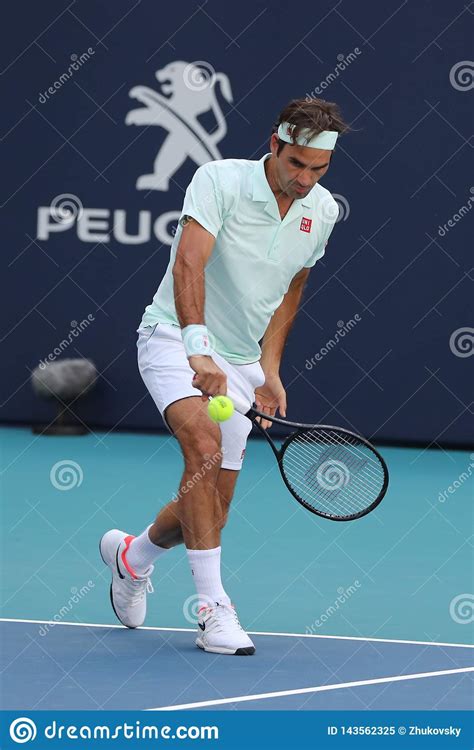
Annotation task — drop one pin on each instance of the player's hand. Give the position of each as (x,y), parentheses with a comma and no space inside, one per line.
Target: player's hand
(209,378)
(270,397)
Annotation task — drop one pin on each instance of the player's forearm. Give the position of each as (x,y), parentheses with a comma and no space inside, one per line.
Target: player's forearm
(278,329)
(189,293)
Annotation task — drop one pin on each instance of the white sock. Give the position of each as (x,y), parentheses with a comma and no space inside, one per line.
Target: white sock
(142,553)
(206,569)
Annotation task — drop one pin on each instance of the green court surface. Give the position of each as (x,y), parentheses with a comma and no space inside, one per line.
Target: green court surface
(403,572)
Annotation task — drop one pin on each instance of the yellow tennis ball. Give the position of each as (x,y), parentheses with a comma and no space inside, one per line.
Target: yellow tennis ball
(220,408)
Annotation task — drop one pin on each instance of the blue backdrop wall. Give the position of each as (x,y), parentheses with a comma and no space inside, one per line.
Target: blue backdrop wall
(382,343)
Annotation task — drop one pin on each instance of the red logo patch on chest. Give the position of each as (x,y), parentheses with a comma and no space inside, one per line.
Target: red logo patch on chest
(305,225)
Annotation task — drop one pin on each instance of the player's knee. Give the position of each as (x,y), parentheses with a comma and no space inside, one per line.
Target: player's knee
(204,450)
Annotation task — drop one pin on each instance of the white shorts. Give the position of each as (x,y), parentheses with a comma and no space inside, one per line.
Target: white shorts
(166,373)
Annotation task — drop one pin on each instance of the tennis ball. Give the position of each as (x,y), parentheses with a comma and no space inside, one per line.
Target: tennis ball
(220,408)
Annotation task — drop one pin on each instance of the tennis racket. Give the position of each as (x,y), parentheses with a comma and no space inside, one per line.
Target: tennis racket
(332,472)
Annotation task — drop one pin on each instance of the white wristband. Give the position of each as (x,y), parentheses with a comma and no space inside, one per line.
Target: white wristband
(196,341)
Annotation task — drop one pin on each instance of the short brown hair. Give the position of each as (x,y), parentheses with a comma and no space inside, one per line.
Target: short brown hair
(315,114)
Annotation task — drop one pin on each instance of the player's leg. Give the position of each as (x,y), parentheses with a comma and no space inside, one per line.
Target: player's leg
(201,515)
(226,483)
(166,372)
(219,627)
(168,377)
(197,512)
(198,503)
(145,549)
(196,500)
(166,531)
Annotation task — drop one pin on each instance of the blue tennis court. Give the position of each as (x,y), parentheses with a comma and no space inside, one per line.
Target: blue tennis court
(89,667)
(365,615)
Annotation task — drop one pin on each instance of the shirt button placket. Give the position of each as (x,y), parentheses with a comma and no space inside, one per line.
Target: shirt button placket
(275,246)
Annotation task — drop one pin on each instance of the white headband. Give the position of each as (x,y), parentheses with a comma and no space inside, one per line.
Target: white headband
(325,140)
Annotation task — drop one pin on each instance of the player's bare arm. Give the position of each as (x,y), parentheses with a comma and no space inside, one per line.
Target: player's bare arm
(193,253)
(272,396)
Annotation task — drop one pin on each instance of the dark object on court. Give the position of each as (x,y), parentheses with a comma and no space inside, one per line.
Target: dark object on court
(63,382)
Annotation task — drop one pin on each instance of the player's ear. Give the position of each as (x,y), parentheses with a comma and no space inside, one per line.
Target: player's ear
(274,142)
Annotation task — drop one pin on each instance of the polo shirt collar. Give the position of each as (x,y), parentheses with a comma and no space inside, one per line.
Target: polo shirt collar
(261,190)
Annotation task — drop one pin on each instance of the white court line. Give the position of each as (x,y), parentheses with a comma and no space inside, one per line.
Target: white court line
(318,689)
(251,632)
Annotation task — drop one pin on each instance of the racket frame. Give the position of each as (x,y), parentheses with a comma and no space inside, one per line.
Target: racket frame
(253,413)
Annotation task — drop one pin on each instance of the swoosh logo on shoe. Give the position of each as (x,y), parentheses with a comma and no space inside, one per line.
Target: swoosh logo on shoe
(117,563)
(202,625)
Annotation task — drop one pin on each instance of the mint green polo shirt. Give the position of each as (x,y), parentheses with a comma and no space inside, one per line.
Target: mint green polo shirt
(255,256)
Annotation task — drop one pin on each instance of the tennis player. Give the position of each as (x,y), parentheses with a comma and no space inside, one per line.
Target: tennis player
(248,236)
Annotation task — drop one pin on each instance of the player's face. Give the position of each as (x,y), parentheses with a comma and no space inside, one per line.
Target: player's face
(299,168)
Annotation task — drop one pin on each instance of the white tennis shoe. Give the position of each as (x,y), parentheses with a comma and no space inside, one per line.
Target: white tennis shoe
(128,590)
(220,632)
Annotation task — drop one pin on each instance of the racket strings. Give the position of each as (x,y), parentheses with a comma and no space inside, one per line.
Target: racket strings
(333,472)
(347,442)
(331,500)
(330,483)
(351,464)
(353,461)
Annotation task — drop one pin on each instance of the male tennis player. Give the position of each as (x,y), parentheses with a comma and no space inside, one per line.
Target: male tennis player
(248,236)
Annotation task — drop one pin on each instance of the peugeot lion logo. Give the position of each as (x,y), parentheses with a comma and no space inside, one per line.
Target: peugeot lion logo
(188,90)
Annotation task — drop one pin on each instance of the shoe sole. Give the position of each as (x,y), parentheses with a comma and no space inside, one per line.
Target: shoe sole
(245,651)
(130,627)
